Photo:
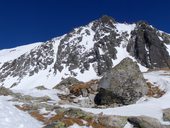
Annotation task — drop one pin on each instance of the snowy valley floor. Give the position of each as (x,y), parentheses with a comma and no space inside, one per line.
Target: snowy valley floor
(11,117)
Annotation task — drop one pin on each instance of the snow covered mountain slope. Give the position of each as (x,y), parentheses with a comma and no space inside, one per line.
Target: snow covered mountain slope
(85,53)
(11,117)
(14,53)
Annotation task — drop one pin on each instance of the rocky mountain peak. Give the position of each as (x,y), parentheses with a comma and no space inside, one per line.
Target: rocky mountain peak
(107,19)
(91,49)
(142,24)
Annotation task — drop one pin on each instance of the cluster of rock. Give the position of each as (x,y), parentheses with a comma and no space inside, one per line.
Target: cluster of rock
(55,116)
(77,92)
(122,85)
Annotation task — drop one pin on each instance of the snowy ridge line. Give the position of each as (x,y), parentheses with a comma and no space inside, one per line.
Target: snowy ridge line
(99,42)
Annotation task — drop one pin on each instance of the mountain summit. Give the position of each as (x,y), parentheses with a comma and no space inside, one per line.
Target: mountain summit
(85,53)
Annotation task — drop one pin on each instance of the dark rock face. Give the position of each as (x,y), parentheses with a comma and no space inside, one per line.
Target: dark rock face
(75,55)
(106,97)
(123,84)
(72,53)
(29,63)
(146,46)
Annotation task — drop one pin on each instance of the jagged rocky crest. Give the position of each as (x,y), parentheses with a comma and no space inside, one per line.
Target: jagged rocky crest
(82,46)
(148,47)
(91,47)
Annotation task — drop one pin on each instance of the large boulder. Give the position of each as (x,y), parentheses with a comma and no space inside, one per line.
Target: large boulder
(5,91)
(112,121)
(124,84)
(145,122)
(166,114)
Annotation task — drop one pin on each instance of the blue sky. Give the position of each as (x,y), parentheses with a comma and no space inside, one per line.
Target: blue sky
(28,21)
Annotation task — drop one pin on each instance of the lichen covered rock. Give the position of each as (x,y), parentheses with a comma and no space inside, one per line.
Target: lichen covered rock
(124,84)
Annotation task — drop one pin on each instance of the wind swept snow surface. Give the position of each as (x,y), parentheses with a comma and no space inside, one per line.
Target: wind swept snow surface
(11,117)
(13,53)
(122,27)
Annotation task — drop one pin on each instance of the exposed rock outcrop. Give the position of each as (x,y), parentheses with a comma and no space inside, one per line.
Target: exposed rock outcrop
(84,89)
(124,84)
(65,83)
(148,47)
(100,48)
(41,87)
(5,91)
(28,64)
(79,93)
(154,91)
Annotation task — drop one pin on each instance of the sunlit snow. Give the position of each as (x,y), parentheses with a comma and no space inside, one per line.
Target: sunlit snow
(11,117)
